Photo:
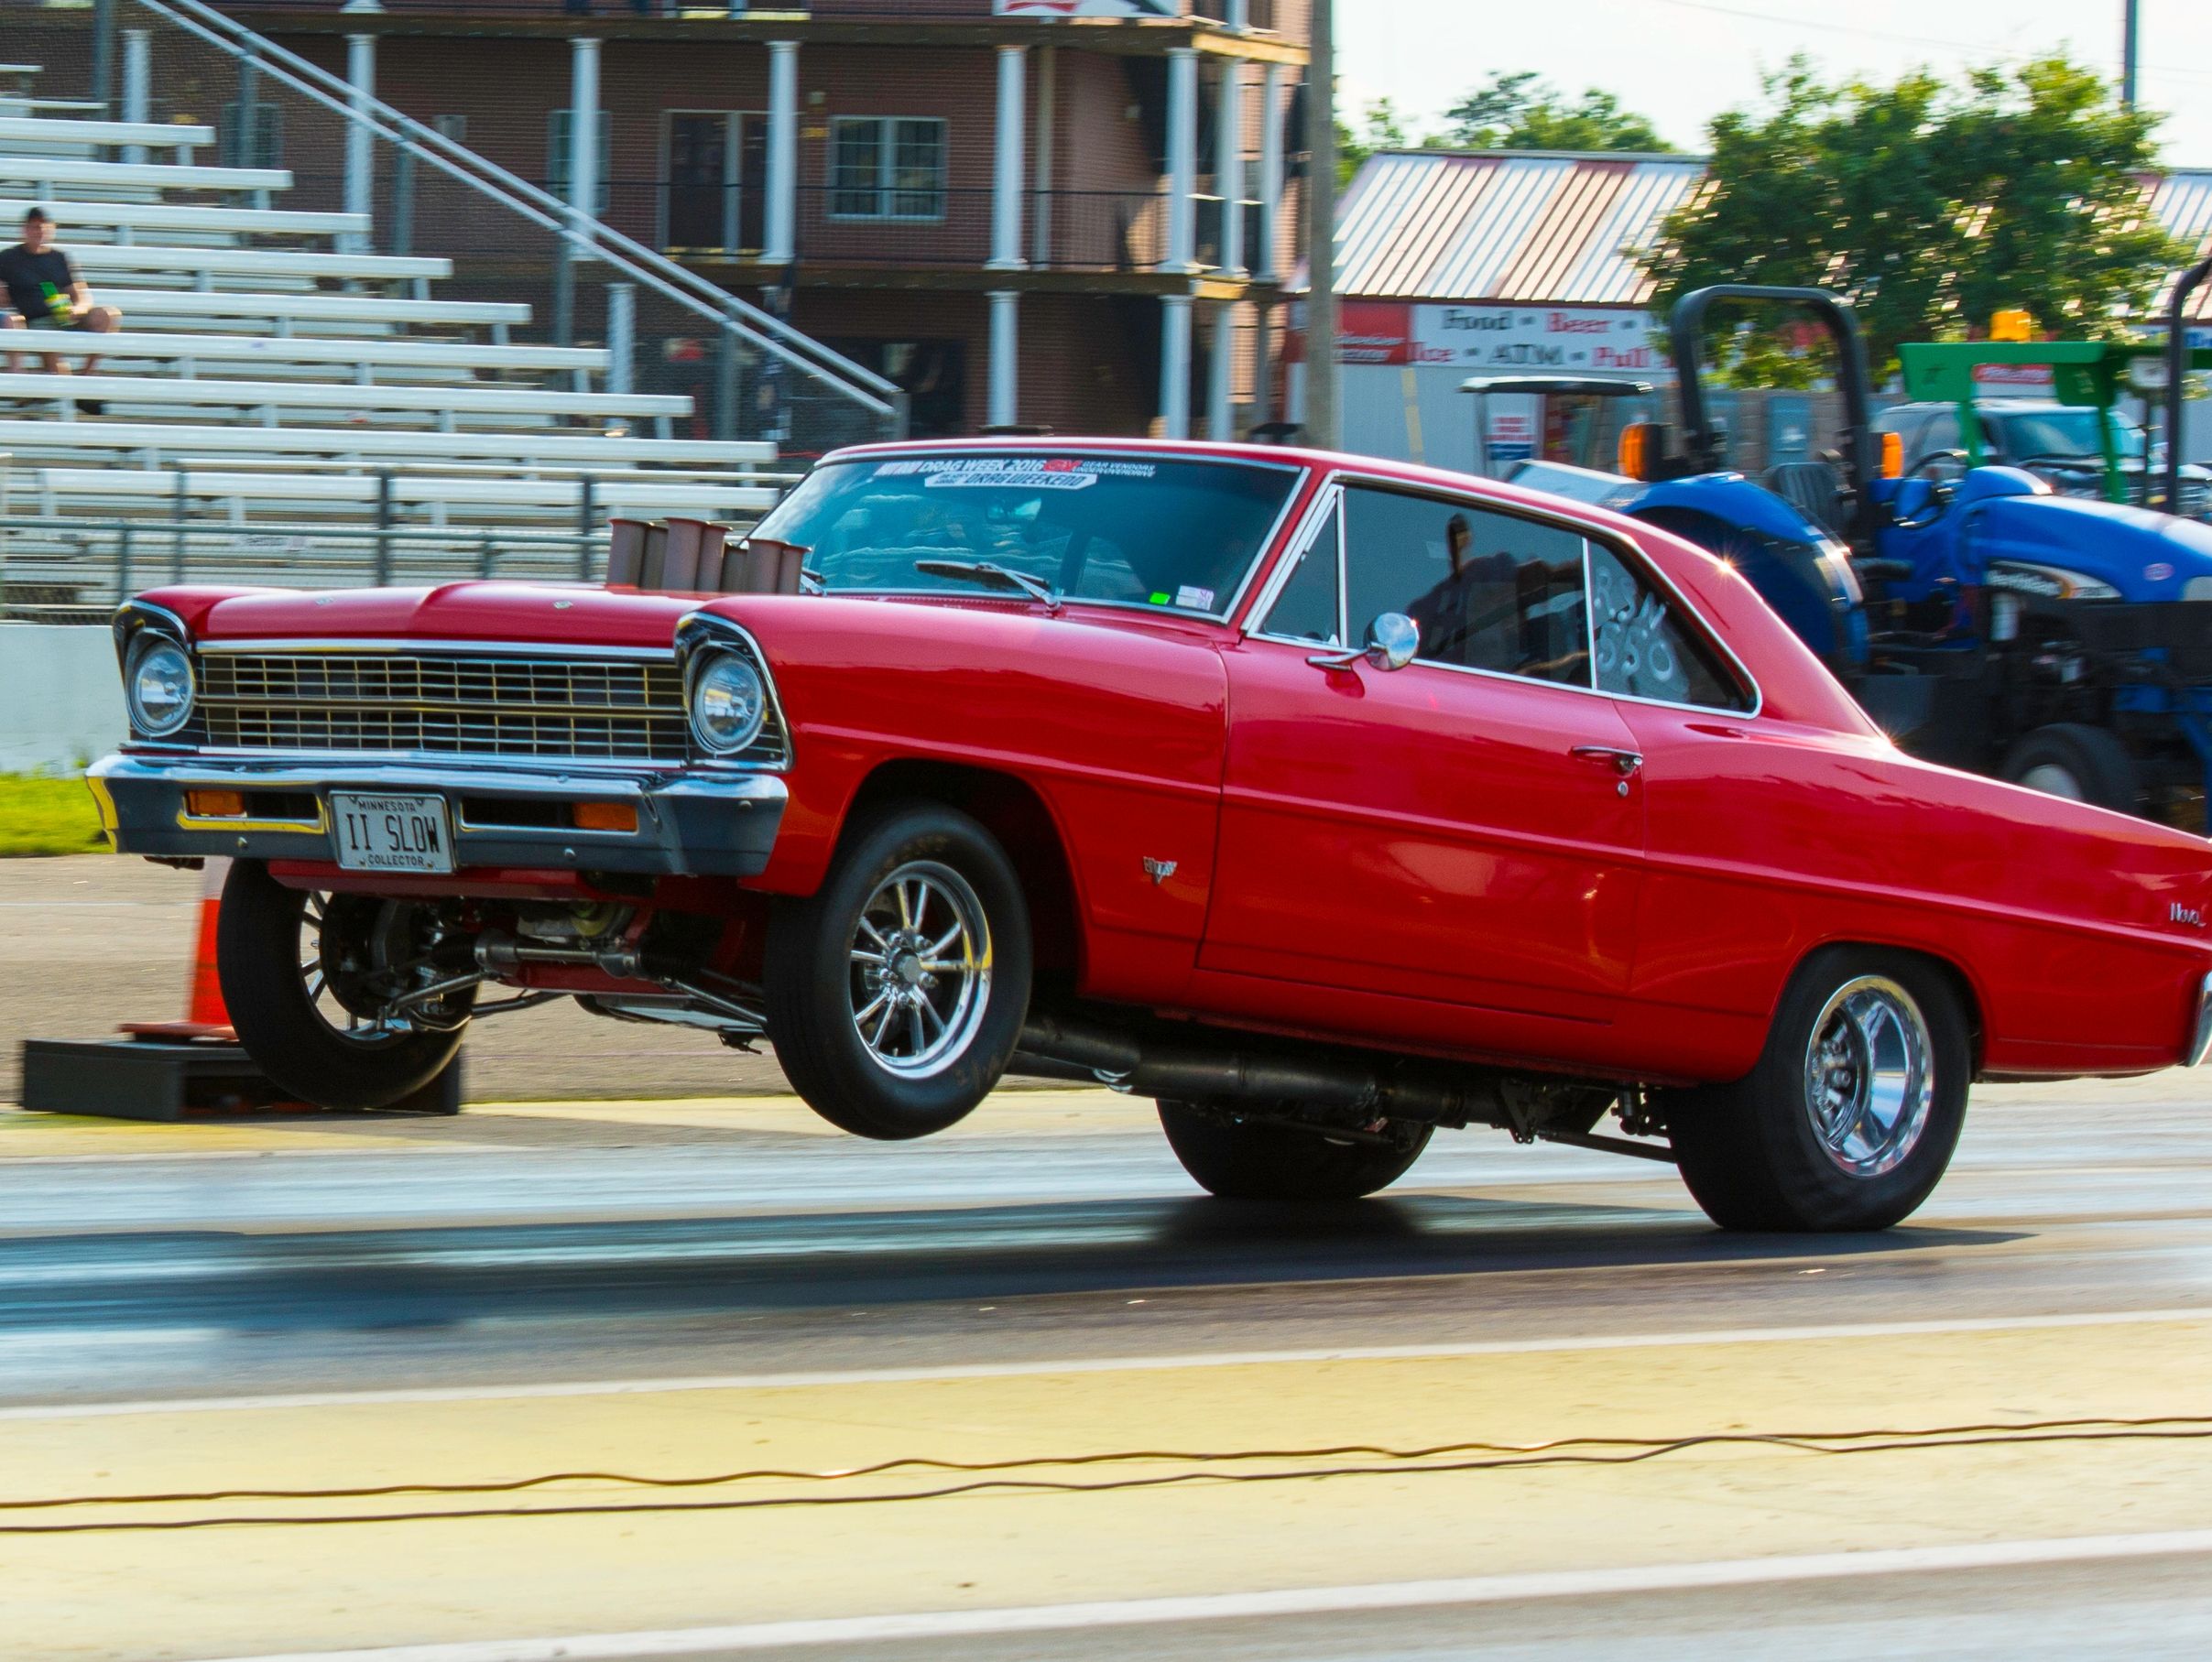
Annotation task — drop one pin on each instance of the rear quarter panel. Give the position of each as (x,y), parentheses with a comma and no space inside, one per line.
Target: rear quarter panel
(1768,839)
(1771,835)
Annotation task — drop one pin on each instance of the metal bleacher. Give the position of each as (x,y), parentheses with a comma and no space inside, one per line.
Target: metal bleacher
(281,405)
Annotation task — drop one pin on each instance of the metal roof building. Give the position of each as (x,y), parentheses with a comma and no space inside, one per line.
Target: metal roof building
(1513,226)
(1545,228)
(1459,263)
(2182,202)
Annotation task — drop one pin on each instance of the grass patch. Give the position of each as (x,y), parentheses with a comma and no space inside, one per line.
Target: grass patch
(47,817)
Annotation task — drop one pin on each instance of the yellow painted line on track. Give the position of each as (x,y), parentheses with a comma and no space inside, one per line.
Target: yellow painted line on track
(50,1137)
(27,1136)
(274,1587)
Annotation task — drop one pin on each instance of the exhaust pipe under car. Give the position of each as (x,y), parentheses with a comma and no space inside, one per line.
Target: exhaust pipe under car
(1348,1090)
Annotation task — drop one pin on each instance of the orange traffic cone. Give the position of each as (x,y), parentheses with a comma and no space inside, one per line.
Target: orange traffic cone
(204,1014)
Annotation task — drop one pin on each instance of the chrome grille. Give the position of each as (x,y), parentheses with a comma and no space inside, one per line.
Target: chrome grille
(446,703)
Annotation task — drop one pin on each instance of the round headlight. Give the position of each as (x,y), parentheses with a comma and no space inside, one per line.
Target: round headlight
(728,704)
(159,689)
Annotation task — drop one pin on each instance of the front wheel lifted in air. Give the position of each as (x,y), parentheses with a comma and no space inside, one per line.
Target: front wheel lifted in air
(324,989)
(897,991)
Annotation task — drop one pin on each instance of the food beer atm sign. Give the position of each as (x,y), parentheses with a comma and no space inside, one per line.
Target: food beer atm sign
(1569,340)
(1084,8)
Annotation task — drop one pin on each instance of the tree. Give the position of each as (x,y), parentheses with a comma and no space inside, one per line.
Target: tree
(1517,110)
(1928,205)
(1385,130)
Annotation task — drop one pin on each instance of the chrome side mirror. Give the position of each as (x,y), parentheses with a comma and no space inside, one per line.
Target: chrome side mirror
(1393,641)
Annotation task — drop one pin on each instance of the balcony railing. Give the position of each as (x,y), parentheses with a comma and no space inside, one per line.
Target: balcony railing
(921,227)
(1261,14)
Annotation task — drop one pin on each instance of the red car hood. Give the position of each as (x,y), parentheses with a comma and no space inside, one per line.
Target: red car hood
(454,612)
(514,611)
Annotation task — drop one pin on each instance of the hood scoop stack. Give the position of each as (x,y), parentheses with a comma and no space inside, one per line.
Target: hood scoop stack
(679,556)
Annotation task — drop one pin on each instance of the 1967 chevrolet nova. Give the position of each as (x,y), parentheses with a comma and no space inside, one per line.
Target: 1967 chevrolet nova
(1325,800)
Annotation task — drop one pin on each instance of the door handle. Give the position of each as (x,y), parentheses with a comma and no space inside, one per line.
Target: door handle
(1625,762)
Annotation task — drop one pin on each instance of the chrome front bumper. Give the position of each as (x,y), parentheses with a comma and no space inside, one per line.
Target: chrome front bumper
(691,823)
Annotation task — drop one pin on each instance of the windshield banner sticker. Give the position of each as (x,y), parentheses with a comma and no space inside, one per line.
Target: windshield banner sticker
(1017,473)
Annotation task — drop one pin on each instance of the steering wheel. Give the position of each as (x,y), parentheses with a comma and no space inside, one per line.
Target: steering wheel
(1939,490)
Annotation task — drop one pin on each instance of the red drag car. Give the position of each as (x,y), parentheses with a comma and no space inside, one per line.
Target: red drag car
(1325,800)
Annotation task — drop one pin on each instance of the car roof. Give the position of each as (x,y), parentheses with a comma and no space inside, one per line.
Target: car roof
(1790,679)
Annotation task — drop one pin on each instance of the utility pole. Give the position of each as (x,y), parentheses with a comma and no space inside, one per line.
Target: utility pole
(2129,53)
(1322,415)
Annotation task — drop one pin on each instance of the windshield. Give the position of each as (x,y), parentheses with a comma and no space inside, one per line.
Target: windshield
(1136,530)
(2066,432)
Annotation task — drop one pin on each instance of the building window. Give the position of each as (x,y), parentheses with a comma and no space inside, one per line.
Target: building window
(557,158)
(455,127)
(262,148)
(887,166)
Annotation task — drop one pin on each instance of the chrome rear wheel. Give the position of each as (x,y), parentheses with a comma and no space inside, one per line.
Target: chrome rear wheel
(1869,1076)
(1850,1114)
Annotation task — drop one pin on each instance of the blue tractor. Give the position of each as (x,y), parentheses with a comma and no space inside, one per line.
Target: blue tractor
(2062,643)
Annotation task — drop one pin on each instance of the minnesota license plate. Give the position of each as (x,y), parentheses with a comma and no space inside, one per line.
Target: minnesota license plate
(390,834)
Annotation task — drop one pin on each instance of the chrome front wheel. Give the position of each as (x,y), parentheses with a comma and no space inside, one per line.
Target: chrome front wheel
(896,992)
(1869,1076)
(921,957)
(363,962)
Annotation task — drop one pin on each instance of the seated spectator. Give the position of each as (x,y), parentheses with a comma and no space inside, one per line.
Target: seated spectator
(46,294)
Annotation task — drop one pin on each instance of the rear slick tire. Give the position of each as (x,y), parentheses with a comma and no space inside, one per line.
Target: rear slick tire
(1850,1118)
(897,991)
(272,984)
(1247,1160)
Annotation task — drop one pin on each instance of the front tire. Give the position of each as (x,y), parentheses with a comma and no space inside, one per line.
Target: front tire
(303,975)
(896,992)
(1250,1160)
(1850,1118)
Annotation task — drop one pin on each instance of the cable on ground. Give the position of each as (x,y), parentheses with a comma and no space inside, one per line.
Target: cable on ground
(983,1474)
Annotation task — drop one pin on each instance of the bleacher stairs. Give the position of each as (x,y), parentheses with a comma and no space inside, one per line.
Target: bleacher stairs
(271,375)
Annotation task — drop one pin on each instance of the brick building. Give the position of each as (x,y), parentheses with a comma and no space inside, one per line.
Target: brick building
(1014,208)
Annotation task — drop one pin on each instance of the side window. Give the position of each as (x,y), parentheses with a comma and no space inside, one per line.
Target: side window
(1306,608)
(1644,650)
(1490,591)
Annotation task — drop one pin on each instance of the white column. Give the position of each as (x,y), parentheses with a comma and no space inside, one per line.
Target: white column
(583,131)
(782,217)
(1005,182)
(1263,378)
(360,143)
(1048,117)
(137,86)
(1265,261)
(1183,160)
(1006,358)
(1229,165)
(1221,370)
(1240,16)
(1175,366)
(621,337)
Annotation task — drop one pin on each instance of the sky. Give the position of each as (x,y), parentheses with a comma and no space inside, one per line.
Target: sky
(1681,61)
